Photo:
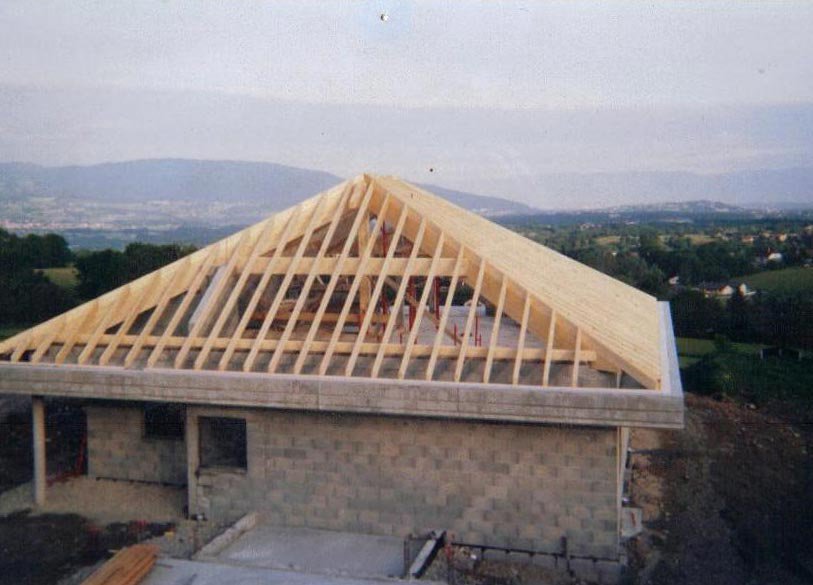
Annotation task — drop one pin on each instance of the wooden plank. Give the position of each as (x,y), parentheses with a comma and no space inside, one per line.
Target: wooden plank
(283,288)
(262,285)
(379,286)
(397,306)
(379,226)
(495,330)
(366,285)
(194,286)
(523,330)
(350,266)
(536,354)
(306,287)
(549,348)
(334,278)
(475,299)
(444,318)
(416,326)
(574,379)
(45,345)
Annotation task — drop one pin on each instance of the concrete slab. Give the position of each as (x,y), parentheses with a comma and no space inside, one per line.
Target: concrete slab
(317,551)
(180,572)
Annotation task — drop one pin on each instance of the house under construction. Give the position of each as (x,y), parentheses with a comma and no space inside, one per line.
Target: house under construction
(374,359)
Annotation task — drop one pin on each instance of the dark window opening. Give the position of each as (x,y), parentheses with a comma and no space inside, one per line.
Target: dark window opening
(164,421)
(223,442)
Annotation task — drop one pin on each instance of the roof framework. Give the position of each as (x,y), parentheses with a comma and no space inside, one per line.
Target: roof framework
(368,280)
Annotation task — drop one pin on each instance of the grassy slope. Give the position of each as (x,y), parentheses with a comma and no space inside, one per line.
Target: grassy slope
(65,277)
(787,280)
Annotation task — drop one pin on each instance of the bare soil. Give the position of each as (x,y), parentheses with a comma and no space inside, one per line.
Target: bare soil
(727,501)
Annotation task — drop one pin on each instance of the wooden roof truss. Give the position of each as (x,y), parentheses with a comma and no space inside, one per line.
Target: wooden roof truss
(356,281)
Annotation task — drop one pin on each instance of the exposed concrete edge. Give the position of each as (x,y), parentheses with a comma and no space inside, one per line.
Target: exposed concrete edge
(672,385)
(574,406)
(221,541)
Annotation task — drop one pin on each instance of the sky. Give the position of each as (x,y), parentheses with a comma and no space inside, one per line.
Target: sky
(489,97)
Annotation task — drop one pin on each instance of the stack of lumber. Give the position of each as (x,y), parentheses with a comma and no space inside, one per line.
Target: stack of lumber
(127,567)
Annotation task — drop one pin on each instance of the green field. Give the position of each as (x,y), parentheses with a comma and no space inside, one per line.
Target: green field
(64,277)
(787,280)
(690,349)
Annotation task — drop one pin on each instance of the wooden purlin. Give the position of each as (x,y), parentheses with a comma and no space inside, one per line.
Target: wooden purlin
(361,215)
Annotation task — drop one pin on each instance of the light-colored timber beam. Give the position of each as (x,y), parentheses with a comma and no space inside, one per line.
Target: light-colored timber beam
(361,215)
(549,348)
(464,342)
(379,286)
(380,225)
(523,330)
(495,330)
(306,287)
(398,305)
(416,326)
(444,317)
(283,287)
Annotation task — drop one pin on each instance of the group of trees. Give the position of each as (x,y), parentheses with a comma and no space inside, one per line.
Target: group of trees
(28,296)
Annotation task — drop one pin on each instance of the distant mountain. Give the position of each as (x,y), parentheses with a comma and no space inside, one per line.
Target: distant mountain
(258,185)
(790,188)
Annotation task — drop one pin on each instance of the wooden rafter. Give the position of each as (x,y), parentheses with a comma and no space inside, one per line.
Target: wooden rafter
(464,342)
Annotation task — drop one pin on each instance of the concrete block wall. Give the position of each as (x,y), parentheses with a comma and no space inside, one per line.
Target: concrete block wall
(117,448)
(500,484)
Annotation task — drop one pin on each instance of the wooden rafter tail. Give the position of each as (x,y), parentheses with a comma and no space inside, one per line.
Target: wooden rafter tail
(523,330)
(416,326)
(464,342)
(379,286)
(397,307)
(549,348)
(495,330)
(286,282)
(444,318)
(360,217)
(279,246)
(574,379)
(380,225)
(311,277)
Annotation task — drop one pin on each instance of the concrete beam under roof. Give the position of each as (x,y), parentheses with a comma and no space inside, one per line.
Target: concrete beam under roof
(529,404)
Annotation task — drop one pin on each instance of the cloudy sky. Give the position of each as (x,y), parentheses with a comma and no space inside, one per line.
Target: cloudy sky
(492,96)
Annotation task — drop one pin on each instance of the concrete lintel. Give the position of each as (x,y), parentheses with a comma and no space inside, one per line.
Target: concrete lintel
(576,406)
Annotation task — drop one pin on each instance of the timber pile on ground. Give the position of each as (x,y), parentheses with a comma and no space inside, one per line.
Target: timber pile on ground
(127,567)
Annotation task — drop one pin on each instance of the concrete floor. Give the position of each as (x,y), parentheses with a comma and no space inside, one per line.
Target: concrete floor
(317,551)
(179,572)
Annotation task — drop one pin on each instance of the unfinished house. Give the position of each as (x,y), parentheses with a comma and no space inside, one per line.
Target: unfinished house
(373,360)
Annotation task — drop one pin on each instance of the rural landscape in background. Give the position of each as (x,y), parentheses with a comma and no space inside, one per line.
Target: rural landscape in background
(677,159)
